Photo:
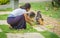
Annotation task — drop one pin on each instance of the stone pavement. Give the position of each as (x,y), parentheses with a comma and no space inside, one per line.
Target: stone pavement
(25,35)
(40,28)
(0,30)
(3,22)
(7,12)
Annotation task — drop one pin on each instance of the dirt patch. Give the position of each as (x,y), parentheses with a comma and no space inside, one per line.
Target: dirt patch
(53,22)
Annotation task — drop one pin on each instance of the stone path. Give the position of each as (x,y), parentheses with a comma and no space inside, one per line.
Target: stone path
(25,35)
(3,22)
(7,12)
(0,30)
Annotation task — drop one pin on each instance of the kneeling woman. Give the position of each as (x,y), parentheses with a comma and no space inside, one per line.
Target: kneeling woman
(18,17)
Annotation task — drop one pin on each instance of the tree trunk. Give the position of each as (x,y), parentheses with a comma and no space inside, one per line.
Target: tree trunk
(14,4)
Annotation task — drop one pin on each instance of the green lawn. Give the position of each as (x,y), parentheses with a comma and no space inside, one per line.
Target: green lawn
(42,5)
(6,9)
(3,35)
(5,29)
(3,17)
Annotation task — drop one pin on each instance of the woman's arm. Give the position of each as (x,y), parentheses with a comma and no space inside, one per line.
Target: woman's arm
(28,19)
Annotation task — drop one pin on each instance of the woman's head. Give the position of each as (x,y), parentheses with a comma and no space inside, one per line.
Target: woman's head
(27,6)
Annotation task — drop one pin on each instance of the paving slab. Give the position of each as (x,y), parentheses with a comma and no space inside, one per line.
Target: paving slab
(7,12)
(25,35)
(0,30)
(40,28)
(3,22)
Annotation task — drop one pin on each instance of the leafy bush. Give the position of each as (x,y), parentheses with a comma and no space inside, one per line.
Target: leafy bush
(3,2)
(56,3)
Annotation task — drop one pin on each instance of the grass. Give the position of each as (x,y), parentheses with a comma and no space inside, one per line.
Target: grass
(5,29)
(3,35)
(42,6)
(3,17)
(6,9)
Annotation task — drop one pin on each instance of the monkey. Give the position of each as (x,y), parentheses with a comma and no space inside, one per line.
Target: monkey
(39,19)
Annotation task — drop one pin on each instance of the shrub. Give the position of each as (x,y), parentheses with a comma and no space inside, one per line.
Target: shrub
(3,2)
(56,3)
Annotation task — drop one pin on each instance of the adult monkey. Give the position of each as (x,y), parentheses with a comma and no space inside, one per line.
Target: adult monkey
(39,18)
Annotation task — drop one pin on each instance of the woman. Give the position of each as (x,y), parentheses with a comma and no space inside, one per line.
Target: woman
(18,17)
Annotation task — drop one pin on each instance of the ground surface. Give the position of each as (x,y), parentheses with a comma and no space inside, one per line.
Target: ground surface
(48,21)
(25,35)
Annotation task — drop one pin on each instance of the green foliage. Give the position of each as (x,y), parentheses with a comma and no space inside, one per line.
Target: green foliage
(56,3)
(3,2)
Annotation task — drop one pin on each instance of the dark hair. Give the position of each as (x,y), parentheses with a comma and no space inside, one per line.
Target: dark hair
(32,14)
(26,6)
(39,14)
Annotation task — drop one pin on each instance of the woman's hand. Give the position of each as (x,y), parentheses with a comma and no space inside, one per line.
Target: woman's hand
(28,19)
(32,20)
